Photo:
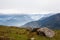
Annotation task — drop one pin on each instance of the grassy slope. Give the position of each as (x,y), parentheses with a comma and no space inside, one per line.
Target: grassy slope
(14,33)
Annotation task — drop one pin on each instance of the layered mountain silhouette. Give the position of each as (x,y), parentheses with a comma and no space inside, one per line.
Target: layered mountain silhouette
(52,22)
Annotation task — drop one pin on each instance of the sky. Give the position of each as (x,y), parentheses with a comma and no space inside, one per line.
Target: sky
(29,6)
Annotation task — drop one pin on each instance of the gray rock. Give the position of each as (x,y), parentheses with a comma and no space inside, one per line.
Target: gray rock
(48,32)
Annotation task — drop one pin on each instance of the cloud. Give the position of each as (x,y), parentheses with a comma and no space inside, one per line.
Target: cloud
(35,17)
(29,6)
(9,11)
(16,11)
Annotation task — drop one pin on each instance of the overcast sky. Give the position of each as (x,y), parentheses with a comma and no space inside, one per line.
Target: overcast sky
(29,6)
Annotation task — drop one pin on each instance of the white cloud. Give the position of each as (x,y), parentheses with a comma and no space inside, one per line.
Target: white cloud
(36,17)
(16,11)
(9,11)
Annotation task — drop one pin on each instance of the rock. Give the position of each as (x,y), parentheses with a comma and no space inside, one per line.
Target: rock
(32,38)
(48,32)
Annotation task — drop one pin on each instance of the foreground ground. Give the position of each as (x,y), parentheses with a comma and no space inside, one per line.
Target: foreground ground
(15,33)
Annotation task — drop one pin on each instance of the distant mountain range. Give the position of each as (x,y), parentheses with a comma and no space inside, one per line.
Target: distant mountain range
(52,22)
(19,20)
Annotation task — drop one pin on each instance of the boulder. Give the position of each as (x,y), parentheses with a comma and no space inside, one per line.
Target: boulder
(48,32)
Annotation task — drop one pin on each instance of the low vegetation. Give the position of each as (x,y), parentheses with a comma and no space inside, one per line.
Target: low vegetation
(15,33)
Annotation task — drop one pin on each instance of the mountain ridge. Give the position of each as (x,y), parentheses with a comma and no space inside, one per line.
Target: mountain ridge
(52,22)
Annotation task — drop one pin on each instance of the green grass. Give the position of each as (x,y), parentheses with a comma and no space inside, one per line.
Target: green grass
(15,33)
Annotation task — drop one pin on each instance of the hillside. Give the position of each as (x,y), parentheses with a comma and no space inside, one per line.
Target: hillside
(15,33)
(52,22)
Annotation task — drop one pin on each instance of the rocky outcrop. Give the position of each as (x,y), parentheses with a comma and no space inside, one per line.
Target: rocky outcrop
(48,32)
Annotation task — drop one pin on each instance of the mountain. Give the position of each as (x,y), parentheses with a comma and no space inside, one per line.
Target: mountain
(18,20)
(52,22)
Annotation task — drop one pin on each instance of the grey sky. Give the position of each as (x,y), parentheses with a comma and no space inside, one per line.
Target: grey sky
(29,6)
